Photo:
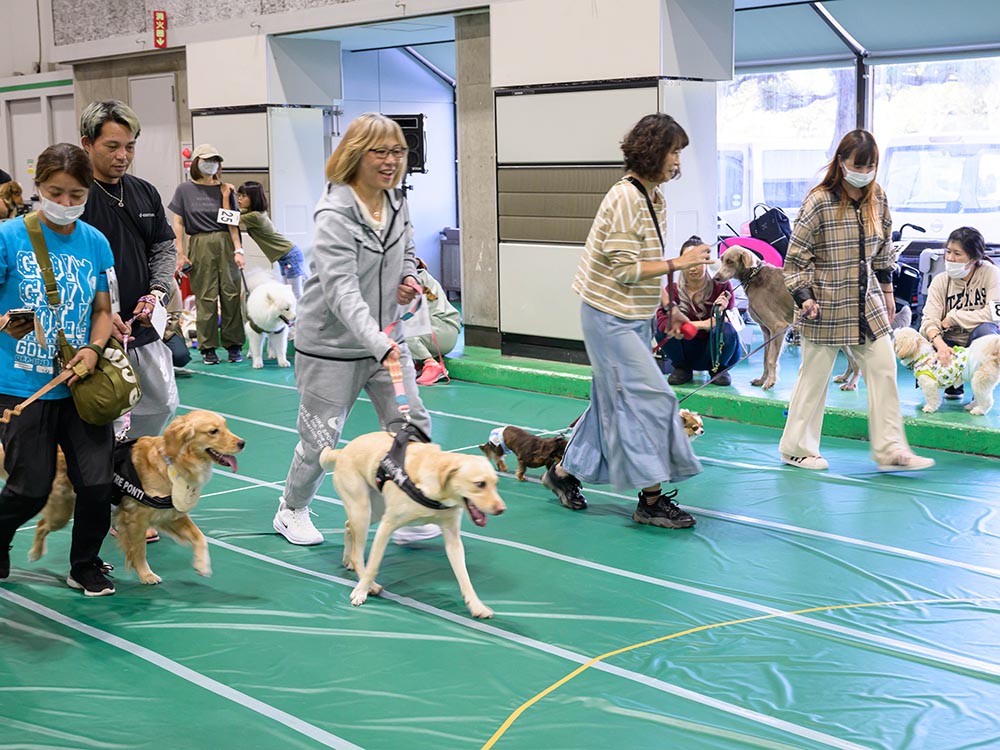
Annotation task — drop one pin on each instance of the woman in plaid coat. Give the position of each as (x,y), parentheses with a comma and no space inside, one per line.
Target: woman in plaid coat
(839,270)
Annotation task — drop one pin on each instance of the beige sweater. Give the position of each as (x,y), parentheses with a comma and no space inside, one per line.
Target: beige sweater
(966,303)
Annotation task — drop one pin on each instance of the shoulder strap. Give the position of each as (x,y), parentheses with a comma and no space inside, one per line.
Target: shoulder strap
(663,248)
(34,226)
(652,212)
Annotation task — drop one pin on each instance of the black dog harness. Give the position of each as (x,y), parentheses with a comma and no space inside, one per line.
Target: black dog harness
(127,482)
(390,468)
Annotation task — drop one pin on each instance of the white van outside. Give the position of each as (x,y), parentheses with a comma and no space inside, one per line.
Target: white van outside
(942,182)
(776,174)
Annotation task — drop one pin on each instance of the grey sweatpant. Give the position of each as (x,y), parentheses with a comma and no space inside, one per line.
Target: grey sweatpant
(328,390)
(154,364)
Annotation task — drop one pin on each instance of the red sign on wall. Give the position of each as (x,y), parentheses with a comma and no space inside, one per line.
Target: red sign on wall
(160,29)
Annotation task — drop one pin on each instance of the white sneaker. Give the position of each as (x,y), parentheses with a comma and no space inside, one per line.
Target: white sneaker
(407,534)
(296,526)
(816,463)
(905,462)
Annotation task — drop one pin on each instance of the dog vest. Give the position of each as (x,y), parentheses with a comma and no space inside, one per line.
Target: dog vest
(127,482)
(390,468)
(496,438)
(943,376)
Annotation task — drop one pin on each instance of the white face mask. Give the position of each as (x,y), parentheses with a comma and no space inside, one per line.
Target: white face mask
(60,214)
(956,270)
(858,179)
(208,167)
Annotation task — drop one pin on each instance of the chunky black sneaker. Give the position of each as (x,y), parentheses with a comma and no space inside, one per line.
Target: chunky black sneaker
(566,488)
(664,512)
(209,357)
(235,354)
(4,561)
(955,392)
(92,580)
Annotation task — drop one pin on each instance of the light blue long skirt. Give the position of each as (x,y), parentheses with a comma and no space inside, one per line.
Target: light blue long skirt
(630,436)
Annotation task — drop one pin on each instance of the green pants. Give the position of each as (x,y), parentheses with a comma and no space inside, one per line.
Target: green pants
(215,283)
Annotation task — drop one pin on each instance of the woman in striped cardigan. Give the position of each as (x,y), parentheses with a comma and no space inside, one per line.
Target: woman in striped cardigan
(630,436)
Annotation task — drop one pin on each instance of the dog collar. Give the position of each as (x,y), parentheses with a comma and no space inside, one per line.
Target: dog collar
(390,468)
(257,329)
(754,273)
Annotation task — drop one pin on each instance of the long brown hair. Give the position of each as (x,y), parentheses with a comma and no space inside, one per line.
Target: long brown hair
(859,144)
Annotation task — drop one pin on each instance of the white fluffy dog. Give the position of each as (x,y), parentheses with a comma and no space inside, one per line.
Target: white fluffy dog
(978,364)
(270,310)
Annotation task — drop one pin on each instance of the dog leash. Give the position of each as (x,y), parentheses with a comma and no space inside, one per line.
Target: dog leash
(122,435)
(396,369)
(727,369)
(9,414)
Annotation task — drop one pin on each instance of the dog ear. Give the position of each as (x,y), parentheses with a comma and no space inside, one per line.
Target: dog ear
(434,484)
(176,435)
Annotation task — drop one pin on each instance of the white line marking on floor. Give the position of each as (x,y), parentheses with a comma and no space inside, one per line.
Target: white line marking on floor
(822,476)
(828,476)
(890,644)
(360,398)
(566,654)
(736,518)
(196,678)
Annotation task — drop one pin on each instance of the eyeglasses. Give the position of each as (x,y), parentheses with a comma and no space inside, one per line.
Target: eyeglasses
(384,153)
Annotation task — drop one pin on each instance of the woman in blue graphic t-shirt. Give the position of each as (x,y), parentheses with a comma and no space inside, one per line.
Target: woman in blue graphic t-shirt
(80,257)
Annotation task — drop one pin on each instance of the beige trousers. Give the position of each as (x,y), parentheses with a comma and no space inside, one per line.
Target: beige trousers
(804,424)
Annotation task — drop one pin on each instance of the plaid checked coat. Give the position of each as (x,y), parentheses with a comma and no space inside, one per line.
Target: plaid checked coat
(836,260)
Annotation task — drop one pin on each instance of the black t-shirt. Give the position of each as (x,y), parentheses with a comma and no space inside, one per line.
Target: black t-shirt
(131,231)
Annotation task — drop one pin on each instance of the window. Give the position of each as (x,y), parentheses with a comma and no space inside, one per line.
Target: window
(779,129)
(939,133)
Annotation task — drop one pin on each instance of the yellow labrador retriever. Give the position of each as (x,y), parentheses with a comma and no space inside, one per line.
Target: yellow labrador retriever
(457,482)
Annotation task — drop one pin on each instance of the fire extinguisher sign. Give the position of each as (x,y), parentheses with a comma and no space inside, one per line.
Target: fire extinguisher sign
(160,29)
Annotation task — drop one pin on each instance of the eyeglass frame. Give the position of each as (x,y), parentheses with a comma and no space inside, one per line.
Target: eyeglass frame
(382,154)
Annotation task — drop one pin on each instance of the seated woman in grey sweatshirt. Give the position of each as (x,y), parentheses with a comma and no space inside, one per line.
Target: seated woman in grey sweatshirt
(364,269)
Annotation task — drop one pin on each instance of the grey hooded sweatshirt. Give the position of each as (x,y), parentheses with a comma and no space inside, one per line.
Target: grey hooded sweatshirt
(350,296)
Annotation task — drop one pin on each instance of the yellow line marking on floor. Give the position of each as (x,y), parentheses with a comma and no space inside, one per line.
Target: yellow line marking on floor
(516,714)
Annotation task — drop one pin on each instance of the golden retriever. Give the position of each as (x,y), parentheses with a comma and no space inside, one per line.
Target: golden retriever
(459,482)
(192,443)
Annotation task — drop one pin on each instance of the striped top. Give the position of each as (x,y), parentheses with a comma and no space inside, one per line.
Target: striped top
(622,236)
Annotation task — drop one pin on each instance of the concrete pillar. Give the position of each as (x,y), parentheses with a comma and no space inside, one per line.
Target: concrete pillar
(477,180)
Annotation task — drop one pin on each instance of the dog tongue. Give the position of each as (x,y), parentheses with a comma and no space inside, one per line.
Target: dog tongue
(478,517)
(229,461)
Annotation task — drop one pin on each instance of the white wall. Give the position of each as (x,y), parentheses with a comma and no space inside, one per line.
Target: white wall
(388,81)
(19,38)
(244,60)
(556,41)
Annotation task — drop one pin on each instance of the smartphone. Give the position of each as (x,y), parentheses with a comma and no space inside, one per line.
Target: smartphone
(19,314)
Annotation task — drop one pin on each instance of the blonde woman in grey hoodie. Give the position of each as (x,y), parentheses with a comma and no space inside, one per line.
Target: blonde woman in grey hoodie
(364,270)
